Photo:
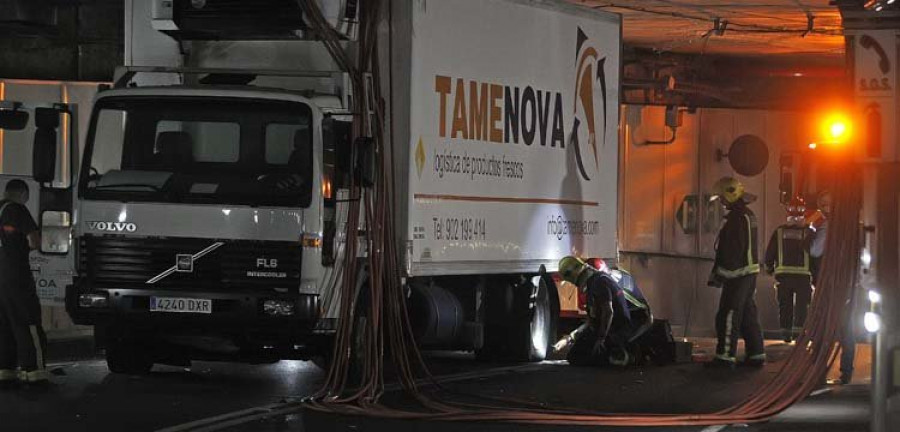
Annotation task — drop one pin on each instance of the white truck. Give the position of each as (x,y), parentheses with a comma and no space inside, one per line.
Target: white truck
(209,203)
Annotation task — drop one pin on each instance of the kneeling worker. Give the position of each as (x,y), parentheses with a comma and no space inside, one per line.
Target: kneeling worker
(618,314)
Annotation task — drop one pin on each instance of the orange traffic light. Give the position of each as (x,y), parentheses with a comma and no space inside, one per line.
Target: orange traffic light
(836,129)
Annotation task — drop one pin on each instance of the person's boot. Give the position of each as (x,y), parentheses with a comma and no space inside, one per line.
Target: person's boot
(8,378)
(787,335)
(35,377)
(757,361)
(619,357)
(720,362)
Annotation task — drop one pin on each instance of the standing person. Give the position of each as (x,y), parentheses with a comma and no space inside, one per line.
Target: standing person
(819,221)
(788,258)
(735,269)
(22,339)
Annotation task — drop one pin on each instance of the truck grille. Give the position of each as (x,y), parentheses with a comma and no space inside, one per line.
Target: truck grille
(129,262)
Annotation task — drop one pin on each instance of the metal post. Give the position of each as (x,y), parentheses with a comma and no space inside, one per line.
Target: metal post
(880,384)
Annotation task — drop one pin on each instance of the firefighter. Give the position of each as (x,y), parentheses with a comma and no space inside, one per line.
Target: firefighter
(618,314)
(22,339)
(734,271)
(787,257)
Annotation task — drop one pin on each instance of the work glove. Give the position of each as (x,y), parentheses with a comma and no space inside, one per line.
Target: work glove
(714,280)
(563,343)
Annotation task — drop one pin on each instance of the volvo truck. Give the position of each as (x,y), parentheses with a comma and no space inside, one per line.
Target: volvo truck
(208,208)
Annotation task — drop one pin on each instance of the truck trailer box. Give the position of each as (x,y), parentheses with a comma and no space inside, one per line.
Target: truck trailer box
(509,111)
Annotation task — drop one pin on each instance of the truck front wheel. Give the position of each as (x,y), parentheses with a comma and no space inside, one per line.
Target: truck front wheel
(519,320)
(124,356)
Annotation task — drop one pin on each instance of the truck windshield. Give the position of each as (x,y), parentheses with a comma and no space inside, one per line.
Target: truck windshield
(200,150)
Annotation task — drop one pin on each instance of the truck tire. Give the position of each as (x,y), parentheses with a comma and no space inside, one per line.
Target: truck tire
(127,357)
(519,320)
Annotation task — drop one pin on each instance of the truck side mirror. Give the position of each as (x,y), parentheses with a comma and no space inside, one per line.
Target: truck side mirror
(336,141)
(44,150)
(13,119)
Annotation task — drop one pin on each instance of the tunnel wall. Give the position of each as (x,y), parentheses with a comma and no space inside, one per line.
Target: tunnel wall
(672,265)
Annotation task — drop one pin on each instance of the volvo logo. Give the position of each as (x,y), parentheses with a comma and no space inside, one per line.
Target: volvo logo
(184,263)
(112,226)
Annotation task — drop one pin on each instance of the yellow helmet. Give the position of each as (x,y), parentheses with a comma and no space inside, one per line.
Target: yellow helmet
(728,189)
(573,270)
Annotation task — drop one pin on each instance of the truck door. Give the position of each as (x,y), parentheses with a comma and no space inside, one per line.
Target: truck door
(36,146)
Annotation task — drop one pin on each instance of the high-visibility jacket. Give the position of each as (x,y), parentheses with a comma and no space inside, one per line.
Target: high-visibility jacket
(737,250)
(617,286)
(788,251)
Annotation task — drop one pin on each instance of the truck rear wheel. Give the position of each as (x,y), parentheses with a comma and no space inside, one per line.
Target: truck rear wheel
(519,320)
(125,356)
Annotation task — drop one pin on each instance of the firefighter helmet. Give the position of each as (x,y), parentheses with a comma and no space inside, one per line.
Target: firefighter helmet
(796,207)
(574,270)
(796,211)
(730,190)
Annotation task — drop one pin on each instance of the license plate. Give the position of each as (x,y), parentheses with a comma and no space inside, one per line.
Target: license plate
(183,305)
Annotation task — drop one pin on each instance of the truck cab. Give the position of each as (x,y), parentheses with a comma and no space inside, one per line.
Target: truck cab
(199,224)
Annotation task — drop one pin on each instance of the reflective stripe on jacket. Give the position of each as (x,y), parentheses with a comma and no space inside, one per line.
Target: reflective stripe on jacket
(788,251)
(737,251)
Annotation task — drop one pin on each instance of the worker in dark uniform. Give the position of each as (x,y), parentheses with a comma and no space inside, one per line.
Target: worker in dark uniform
(734,270)
(22,339)
(618,314)
(787,257)
(819,222)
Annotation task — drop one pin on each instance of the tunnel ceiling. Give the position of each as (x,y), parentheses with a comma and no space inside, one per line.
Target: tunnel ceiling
(734,28)
(732,53)
(722,52)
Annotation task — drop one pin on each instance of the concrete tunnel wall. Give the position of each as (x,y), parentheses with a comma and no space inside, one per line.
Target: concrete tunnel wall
(672,266)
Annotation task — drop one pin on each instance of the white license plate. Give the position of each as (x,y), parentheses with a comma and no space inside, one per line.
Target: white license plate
(185,305)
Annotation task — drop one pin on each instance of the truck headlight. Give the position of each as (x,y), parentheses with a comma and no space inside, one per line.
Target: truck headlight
(278,308)
(93,301)
(56,232)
